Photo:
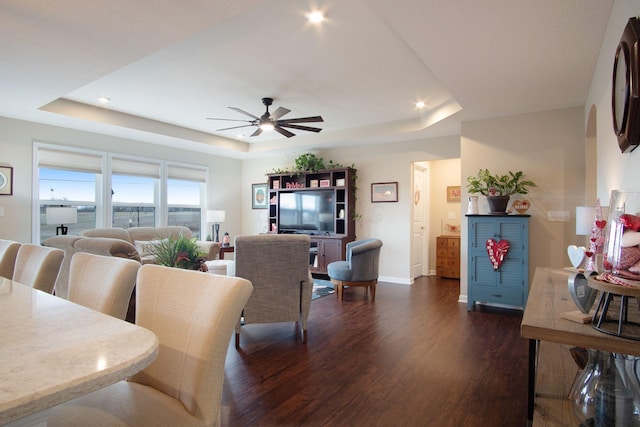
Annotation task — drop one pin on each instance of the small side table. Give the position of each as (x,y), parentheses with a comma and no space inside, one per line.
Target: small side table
(224,250)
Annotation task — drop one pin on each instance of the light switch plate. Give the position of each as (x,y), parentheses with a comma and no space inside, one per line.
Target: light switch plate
(1,211)
(451,215)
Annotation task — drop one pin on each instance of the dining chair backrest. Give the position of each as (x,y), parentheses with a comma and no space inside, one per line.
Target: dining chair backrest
(193,314)
(8,253)
(102,283)
(38,266)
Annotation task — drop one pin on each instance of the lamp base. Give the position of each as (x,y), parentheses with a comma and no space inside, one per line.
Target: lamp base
(61,230)
(216,228)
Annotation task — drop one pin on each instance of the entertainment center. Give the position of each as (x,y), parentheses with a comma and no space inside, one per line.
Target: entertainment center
(320,204)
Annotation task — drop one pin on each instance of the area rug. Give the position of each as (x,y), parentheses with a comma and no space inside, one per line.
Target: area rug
(322,288)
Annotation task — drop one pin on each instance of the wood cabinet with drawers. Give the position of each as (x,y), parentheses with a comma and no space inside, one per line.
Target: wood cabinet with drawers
(448,257)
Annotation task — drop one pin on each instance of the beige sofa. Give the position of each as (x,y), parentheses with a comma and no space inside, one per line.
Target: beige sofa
(141,236)
(118,242)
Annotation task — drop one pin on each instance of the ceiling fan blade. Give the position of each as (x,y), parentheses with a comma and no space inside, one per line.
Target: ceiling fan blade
(284,132)
(234,127)
(244,112)
(279,113)
(257,132)
(229,120)
(307,128)
(302,120)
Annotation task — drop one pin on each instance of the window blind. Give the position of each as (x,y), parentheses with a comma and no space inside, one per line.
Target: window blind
(186,173)
(69,160)
(121,166)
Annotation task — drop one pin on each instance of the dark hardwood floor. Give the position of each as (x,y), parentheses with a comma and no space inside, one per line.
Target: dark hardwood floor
(414,357)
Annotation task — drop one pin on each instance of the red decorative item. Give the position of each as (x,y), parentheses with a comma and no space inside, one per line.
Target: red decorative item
(497,252)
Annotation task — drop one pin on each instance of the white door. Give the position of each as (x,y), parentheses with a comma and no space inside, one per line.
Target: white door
(420,251)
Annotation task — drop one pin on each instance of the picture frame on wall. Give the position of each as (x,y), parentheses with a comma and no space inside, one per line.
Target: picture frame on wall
(259,196)
(382,192)
(6,180)
(453,194)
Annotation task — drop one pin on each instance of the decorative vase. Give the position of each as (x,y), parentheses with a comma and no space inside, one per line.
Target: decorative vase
(498,204)
(599,396)
(621,250)
(472,209)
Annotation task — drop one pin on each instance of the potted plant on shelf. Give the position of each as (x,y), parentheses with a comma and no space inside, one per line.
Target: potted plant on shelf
(498,188)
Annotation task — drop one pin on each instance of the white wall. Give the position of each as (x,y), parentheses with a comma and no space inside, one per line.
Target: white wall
(16,146)
(390,222)
(615,170)
(549,148)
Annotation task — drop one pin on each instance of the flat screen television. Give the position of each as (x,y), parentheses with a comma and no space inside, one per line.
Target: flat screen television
(306,212)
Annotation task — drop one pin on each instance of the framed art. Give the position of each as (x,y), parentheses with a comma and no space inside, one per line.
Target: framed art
(384,192)
(6,180)
(259,197)
(453,194)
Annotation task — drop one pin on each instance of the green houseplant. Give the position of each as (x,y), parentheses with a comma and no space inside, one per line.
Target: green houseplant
(179,253)
(498,188)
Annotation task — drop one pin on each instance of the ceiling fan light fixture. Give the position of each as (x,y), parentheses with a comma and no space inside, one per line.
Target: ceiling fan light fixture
(266,126)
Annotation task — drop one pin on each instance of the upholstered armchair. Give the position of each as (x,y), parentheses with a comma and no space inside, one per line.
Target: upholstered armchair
(193,315)
(8,254)
(278,267)
(360,268)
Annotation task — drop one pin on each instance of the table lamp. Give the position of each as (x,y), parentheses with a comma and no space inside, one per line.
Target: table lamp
(215,217)
(62,215)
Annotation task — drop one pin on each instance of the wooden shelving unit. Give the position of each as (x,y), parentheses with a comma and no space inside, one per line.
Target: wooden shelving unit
(326,247)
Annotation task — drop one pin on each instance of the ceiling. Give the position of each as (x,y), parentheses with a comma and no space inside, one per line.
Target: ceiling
(167,66)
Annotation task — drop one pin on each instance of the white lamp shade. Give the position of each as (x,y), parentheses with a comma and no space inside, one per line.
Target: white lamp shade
(62,215)
(585,216)
(215,216)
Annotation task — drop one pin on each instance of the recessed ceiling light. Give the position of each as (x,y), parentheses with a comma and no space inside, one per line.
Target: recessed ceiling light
(420,104)
(104,99)
(315,17)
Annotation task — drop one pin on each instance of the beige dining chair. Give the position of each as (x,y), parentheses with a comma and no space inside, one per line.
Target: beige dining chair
(38,266)
(193,314)
(8,253)
(102,283)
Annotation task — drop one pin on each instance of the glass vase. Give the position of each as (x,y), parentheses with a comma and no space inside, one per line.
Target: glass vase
(621,252)
(600,396)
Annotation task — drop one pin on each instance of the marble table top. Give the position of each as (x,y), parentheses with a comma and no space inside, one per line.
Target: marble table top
(52,350)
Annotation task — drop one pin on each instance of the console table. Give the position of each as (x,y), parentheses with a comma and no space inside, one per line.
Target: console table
(548,299)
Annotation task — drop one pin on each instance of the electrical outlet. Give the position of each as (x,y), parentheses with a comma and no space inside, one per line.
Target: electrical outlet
(558,216)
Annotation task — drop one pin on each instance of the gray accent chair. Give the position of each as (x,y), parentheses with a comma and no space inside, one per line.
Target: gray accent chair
(360,268)
(278,267)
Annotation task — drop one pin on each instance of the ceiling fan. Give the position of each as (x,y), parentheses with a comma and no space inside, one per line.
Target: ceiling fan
(273,121)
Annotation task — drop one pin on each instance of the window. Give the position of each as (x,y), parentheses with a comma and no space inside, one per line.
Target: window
(185,197)
(134,193)
(70,179)
(131,195)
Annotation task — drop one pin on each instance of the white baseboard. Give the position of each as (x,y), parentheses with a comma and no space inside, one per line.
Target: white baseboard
(398,280)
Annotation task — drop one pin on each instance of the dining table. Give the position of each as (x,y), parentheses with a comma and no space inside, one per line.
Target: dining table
(53,350)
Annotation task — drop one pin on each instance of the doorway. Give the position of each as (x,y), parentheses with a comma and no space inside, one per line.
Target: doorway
(420,220)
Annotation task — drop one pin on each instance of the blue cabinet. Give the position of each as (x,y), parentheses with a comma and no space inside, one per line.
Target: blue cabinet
(509,284)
